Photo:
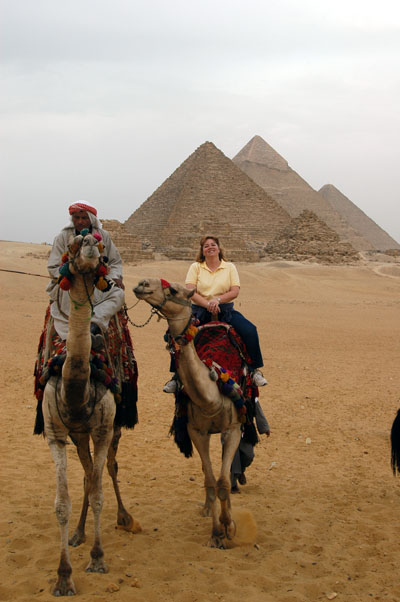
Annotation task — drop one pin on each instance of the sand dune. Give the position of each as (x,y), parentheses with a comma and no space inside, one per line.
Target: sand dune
(320,489)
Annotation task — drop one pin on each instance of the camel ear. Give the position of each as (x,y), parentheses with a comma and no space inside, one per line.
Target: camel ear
(191,292)
(74,243)
(172,290)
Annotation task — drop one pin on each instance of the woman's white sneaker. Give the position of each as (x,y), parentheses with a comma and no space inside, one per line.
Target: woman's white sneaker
(170,386)
(258,379)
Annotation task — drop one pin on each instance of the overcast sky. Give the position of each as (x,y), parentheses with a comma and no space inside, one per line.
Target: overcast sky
(101,100)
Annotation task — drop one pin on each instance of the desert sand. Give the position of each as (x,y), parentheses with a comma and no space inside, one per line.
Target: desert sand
(320,489)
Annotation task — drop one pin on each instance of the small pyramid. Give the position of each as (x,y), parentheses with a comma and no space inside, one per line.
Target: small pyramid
(208,194)
(307,237)
(130,247)
(358,219)
(270,171)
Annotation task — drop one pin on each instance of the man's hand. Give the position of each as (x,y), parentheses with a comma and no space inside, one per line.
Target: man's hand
(119,283)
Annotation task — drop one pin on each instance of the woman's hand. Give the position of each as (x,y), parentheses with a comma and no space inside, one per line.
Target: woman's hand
(213,307)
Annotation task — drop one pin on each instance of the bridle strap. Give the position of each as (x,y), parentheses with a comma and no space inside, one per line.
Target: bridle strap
(180,336)
(169,297)
(72,260)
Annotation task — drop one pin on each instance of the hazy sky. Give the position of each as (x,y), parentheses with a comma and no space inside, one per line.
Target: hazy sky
(102,100)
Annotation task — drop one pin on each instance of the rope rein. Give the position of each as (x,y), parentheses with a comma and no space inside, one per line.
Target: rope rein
(153,312)
(19,272)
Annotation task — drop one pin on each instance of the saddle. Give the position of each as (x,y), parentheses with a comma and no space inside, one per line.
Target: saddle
(115,368)
(222,350)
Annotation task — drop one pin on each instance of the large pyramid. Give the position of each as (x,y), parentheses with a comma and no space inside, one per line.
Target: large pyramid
(358,219)
(208,194)
(271,171)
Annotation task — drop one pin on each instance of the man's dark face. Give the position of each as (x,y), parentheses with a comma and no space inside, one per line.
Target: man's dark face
(81,220)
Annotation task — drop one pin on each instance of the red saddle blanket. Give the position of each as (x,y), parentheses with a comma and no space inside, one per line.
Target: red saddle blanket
(117,370)
(219,342)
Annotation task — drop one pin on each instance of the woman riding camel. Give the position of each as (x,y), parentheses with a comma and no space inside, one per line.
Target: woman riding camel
(217,284)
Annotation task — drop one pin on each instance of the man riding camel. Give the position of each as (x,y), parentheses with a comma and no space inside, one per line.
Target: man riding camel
(105,304)
(111,339)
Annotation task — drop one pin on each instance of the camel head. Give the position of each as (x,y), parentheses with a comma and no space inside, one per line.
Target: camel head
(84,253)
(84,257)
(170,299)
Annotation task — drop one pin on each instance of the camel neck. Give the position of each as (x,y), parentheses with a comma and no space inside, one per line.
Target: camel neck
(76,367)
(178,325)
(195,377)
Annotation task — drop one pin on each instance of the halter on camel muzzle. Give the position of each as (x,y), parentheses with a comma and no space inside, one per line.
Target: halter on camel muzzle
(75,248)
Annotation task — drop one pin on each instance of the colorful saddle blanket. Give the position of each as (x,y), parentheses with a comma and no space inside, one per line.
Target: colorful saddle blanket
(219,343)
(223,351)
(116,368)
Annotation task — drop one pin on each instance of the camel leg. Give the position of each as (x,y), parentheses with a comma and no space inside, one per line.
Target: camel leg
(124,519)
(65,585)
(231,441)
(202,444)
(81,441)
(101,443)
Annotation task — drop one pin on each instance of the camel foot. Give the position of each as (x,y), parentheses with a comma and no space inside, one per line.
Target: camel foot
(97,565)
(230,530)
(127,523)
(64,587)
(217,541)
(77,539)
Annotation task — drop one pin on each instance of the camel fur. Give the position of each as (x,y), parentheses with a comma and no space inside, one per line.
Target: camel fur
(72,408)
(209,412)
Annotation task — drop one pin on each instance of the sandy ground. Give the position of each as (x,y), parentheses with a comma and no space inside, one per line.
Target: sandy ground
(320,489)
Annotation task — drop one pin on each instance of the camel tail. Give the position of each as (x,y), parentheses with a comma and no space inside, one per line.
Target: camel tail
(38,429)
(395,444)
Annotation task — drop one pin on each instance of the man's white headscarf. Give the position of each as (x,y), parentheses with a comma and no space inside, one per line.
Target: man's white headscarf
(91,211)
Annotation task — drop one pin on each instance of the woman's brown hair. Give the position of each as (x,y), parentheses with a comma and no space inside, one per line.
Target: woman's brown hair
(200,255)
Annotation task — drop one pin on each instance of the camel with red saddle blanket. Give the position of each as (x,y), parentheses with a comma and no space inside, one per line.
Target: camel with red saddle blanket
(209,411)
(73,406)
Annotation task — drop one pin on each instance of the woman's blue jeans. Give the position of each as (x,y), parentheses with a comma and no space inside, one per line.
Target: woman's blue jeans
(249,335)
